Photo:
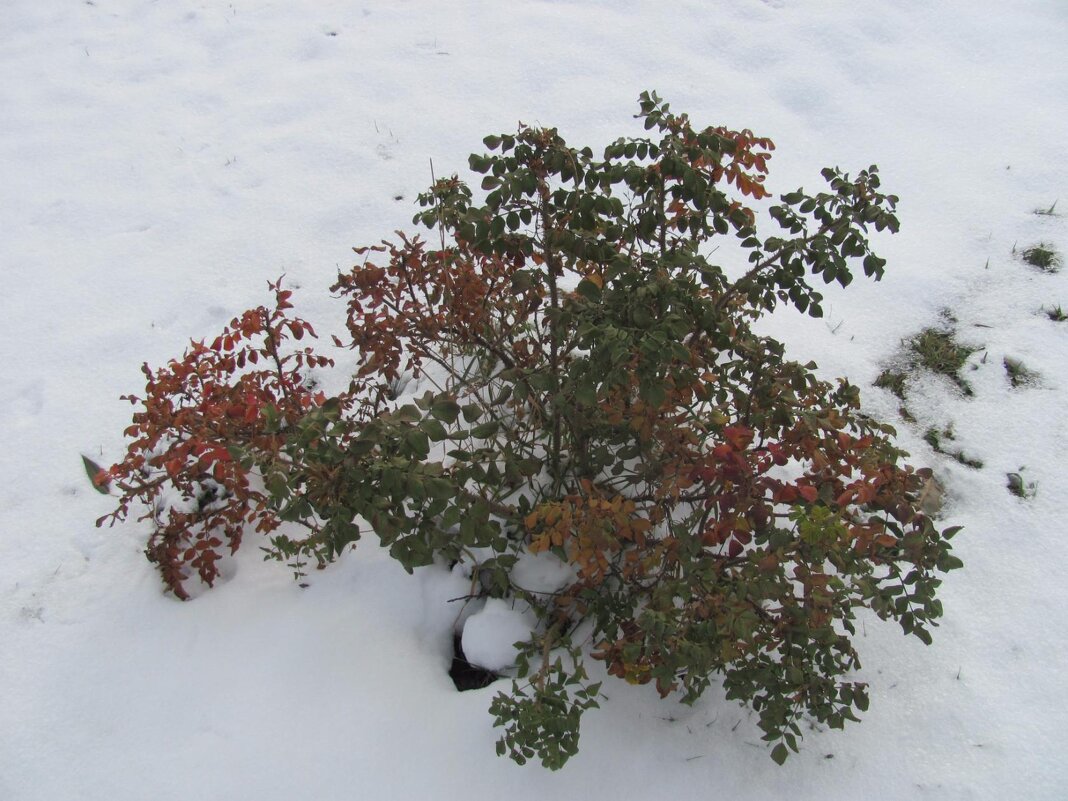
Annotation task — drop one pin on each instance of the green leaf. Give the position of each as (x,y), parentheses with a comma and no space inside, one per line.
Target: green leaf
(589,290)
(521,280)
(653,393)
(860,698)
(440,489)
(276,485)
(446,410)
(779,753)
(362,447)
(949,562)
(408,414)
(435,430)
(586,393)
(342,534)
(530,466)
(542,381)
(485,430)
(417,442)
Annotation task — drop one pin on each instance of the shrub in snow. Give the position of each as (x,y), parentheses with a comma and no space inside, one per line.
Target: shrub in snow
(600,400)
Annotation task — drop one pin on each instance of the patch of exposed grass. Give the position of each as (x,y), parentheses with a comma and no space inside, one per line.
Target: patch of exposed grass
(1018,486)
(933,437)
(939,352)
(1055,313)
(1042,256)
(1047,212)
(936,439)
(892,380)
(1019,374)
(967,461)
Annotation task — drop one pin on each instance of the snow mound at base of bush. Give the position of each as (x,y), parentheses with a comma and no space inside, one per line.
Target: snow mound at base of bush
(490,634)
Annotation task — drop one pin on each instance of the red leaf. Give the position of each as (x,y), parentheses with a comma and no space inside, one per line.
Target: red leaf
(722,452)
(787,493)
(808,493)
(738,436)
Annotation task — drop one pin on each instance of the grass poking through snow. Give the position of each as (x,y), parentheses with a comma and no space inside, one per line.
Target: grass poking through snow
(939,352)
(1043,257)
(1055,313)
(1019,374)
(937,438)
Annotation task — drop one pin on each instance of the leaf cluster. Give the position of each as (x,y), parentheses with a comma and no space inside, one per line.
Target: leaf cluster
(593,392)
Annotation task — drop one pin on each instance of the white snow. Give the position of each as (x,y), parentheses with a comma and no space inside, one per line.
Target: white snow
(490,634)
(161,161)
(542,572)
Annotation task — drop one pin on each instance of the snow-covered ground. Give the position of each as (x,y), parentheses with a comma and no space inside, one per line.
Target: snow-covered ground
(161,161)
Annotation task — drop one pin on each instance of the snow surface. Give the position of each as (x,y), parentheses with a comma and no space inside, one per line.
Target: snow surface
(161,161)
(490,634)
